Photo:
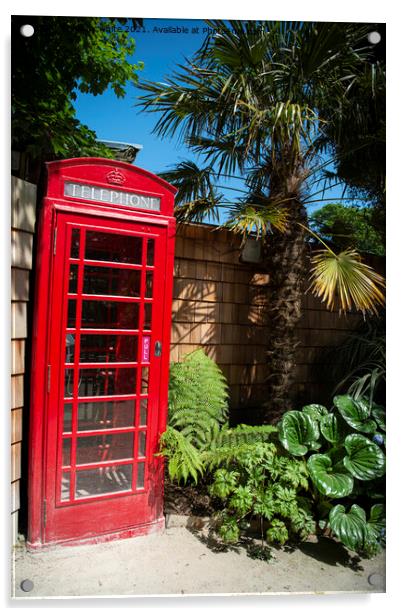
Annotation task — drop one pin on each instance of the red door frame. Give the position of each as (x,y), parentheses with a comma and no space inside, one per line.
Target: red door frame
(102,173)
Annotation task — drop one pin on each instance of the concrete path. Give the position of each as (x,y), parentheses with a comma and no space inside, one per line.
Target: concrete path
(183,562)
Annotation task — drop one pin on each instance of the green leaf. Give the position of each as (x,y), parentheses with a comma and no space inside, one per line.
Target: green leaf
(379,414)
(365,460)
(298,432)
(277,533)
(225,482)
(350,527)
(241,500)
(331,428)
(229,530)
(376,522)
(356,413)
(264,504)
(377,516)
(315,411)
(329,481)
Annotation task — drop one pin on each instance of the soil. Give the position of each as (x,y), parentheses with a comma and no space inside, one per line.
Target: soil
(188,500)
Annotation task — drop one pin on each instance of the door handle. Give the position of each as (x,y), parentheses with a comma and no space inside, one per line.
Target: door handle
(158,349)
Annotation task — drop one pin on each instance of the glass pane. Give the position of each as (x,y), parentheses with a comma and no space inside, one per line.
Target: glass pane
(65,487)
(70,342)
(111,281)
(67,417)
(104,480)
(73,278)
(144,380)
(110,315)
(103,415)
(142,445)
(66,453)
(143,411)
(68,382)
(150,252)
(147,316)
(104,447)
(75,244)
(113,247)
(140,475)
(108,348)
(71,313)
(149,284)
(107,381)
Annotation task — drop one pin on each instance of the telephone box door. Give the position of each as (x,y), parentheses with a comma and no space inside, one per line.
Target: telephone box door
(104,377)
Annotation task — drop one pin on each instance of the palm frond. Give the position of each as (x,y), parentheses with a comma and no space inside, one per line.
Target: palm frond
(254,218)
(196,198)
(344,279)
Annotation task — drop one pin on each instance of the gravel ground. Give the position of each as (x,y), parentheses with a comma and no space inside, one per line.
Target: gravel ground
(179,561)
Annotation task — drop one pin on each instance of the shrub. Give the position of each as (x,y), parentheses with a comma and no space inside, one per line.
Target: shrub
(350,465)
(259,484)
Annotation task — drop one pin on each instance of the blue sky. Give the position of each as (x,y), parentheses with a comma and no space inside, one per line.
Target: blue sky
(116,119)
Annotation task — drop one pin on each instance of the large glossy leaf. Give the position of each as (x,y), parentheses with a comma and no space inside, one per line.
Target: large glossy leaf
(350,527)
(298,432)
(376,522)
(378,413)
(332,429)
(330,481)
(356,413)
(315,411)
(365,460)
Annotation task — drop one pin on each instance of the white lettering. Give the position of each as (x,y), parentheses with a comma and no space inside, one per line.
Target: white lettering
(106,195)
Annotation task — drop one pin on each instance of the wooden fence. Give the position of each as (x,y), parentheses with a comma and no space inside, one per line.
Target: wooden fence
(23,213)
(221,305)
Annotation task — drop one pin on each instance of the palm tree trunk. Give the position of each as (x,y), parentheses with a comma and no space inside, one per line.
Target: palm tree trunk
(285,255)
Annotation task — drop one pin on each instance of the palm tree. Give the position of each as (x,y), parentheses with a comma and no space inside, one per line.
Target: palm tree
(249,102)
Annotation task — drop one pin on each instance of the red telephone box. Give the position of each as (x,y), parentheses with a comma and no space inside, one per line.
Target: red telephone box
(100,352)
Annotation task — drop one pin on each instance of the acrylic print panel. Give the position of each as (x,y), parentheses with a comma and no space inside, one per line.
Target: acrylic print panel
(114,300)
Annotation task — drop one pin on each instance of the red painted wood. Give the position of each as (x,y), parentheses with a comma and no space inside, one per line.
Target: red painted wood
(137,507)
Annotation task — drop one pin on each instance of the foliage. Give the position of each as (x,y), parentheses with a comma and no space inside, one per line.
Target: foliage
(358,137)
(262,102)
(346,226)
(66,55)
(361,369)
(258,484)
(288,477)
(198,397)
(198,437)
(351,440)
(344,279)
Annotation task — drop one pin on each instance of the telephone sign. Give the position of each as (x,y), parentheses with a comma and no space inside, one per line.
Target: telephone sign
(100,353)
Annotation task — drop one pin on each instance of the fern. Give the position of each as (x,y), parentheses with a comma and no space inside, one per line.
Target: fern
(242,435)
(198,438)
(231,443)
(183,458)
(198,397)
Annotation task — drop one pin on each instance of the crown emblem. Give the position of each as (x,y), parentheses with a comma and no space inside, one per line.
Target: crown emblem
(115,177)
